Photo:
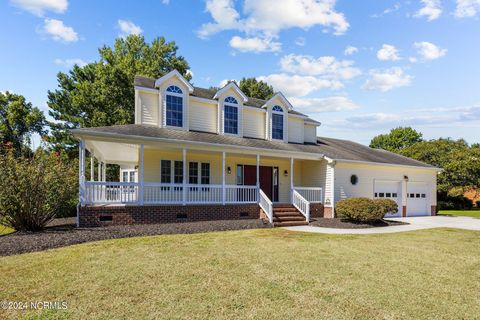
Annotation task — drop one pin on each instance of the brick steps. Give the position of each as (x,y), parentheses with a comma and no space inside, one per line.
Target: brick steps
(286,215)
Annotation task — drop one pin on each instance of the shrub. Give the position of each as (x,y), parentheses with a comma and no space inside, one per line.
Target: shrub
(388,205)
(454,203)
(360,209)
(478,203)
(34,191)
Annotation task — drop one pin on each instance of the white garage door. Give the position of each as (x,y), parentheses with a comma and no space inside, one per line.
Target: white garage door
(417,199)
(389,190)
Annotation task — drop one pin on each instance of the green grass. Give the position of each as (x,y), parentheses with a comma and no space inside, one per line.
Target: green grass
(468,213)
(5,230)
(265,273)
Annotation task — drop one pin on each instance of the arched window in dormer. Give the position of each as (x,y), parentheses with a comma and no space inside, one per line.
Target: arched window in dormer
(174,106)
(277,123)
(230,115)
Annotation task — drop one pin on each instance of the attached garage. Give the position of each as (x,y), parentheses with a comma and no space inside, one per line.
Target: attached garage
(418,199)
(389,190)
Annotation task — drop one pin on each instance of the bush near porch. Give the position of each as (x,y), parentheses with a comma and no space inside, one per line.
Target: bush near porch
(365,209)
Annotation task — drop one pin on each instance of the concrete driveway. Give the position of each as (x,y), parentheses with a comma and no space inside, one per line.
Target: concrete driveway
(415,223)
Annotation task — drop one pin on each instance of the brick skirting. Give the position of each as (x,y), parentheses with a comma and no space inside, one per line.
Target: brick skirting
(94,216)
(317,210)
(328,212)
(433,210)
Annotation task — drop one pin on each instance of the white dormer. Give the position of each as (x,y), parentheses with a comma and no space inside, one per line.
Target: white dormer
(277,118)
(230,109)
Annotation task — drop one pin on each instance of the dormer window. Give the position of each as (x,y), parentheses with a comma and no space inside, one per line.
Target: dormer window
(277,123)
(230,108)
(174,106)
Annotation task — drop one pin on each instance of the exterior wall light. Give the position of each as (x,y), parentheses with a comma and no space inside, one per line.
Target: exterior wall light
(229,170)
(405,178)
(285,173)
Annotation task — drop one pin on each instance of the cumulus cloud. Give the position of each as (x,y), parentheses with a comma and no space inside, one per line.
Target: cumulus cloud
(255,44)
(429,51)
(39,7)
(388,53)
(467,8)
(128,27)
(350,50)
(68,63)
(431,9)
(300,41)
(319,105)
(395,7)
(387,79)
(299,86)
(326,66)
(58,31)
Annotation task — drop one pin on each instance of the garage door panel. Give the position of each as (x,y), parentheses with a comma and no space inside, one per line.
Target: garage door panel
(417,199)
(389,190)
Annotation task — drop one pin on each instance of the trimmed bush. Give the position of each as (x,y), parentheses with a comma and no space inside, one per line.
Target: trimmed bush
(365,209)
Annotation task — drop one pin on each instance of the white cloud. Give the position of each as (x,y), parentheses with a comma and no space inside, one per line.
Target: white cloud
(255,44)
(39,7)
(266,18)
(300,41)
(350,50)
(387,80)
(299,86)
(166,1)
(69,63)
(224,82)
(128,27)
(429,51)
(388,53)
(59,31)
(396,7)
(467,8)
(431,9)
(317,105)
(327,66)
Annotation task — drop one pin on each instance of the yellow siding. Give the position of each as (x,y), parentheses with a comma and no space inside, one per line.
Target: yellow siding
(295,130)
(310,133)
(149,108)
(203,116)
(253,124)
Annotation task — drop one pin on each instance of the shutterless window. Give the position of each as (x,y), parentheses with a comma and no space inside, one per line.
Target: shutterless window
(174,106)
(125,176)
(277,126)
(239,174)
(205,178)
(178,172)
(230,109)
(166,171)
(193,173)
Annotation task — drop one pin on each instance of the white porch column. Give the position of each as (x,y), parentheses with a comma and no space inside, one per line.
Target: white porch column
(99,170)
(291,179)
(223,177)
(81,172)
(92,174)
(258,175)
(184,180)
(104,172)
(140,176)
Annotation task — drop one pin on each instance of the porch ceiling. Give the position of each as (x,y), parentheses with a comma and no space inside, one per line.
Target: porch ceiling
(113,152)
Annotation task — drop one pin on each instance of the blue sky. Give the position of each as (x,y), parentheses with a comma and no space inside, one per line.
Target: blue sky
(359,67)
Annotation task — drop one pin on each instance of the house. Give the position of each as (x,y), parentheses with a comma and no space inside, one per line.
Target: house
(199,154)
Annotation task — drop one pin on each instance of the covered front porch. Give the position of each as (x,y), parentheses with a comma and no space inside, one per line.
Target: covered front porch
(164,173)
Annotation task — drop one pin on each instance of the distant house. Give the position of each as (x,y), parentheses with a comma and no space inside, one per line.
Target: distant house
(199,154)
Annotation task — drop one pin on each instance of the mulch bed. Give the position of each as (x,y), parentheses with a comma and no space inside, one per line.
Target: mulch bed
(62,232)
(341,223)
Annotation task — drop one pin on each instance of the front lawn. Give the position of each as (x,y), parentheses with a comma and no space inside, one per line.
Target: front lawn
(263,273)
(468,213)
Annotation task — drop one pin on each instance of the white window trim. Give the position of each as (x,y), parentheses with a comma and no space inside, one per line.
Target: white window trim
(135,175)
(221,107)
(270,122)
(186,174)
(184,97)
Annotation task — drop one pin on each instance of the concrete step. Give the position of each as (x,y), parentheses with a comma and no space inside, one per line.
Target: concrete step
(290,223)
(288,218)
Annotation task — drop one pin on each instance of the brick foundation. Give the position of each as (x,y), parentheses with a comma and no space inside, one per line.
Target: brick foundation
(90,216)
(433,210)
(328,212)
(404,211)
(317,210)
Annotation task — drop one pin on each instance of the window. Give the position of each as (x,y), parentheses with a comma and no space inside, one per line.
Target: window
(239,174)
(277,109)
(388,195)
(205,178)
(178,172)
(424,196)
(394,195)
(193,172)
(376,195)
(277,126)
(230,110)
(174,106)
(381,195)
(132,176)
(166,169)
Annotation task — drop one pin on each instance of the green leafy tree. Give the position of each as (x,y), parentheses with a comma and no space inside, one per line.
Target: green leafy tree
(18,121)
(102,93)
(256,89)
(398,139)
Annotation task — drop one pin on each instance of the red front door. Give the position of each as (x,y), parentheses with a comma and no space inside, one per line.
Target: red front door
(266,180)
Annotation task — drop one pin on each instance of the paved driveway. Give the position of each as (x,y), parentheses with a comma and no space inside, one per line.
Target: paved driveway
(415,223)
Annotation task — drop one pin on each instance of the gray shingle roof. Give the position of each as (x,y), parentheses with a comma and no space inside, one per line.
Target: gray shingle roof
(331,148)
(208,94)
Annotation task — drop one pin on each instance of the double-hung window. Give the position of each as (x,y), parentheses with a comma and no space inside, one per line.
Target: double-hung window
(277,123)
(230,115)
(169,173)
(174,106)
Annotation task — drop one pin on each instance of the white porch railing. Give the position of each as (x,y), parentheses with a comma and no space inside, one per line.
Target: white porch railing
(111,192)
(266,205)
(166,193)
(311,194)
(301,204)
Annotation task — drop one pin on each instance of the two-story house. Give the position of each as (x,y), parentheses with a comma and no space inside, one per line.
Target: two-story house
(200,154)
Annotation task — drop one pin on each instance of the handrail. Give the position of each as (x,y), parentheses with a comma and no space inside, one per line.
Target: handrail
(311,194)
(266,205)
(301,204)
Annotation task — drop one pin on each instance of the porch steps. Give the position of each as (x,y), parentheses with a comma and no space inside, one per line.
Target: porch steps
(286,215)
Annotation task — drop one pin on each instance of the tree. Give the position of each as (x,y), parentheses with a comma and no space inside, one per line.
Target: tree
(18,120)
(256,89)
(102,93)
(398,139)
